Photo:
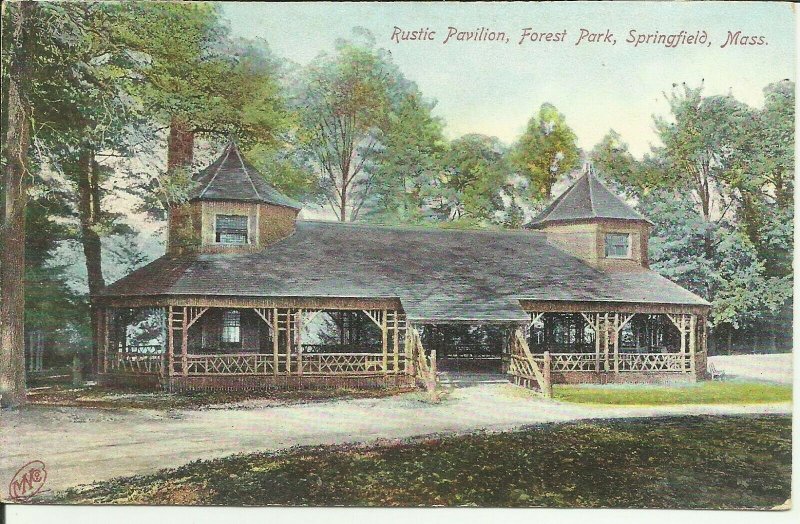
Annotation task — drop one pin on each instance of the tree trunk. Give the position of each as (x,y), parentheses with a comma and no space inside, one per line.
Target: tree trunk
(180,144)
(12,243)
(89,211)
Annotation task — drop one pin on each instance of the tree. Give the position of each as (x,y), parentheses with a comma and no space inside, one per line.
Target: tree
(343,104)
(545,152)
(407,163)
(473,182)
(19,27)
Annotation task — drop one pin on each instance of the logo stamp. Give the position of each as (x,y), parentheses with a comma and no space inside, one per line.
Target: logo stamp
(28,481)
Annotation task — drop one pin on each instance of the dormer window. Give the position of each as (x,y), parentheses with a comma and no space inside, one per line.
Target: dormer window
(231,229)
(618,245)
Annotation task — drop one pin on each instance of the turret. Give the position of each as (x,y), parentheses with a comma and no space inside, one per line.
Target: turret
(589,221)
(231,208)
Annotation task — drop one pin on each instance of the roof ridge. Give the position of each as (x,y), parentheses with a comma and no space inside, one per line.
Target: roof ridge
(590,176)
(247,171)
(227,153)
(413,227)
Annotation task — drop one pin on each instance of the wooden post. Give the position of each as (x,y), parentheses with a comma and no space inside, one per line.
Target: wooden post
(548,383)
(605,343)
(411,368)
(106,329)
(616,342)
(288,326)
(384,342)
(298,327)
(97,365)
(275,341)
(170,341)
(596,327)
(692,341)
(185,343)
(396,344)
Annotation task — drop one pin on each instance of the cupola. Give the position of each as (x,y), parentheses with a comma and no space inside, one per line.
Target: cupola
(589,221)
(230,208)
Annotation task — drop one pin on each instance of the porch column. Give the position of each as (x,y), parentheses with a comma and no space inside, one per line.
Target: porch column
(298,328)
(185,343)
(616,342)
(384,342)
(170,340)
(105,323)
(596,325)
(692,342)
(606,331)
(287,322)
(275,340)
(396,344)
(409,349)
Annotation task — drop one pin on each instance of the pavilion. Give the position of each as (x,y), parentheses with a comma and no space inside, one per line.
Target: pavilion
(569,298)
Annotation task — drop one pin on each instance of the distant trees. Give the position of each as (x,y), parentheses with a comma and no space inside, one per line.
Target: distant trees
(715,190)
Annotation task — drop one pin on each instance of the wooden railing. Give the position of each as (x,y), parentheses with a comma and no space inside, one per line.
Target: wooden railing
(527,370)
(659,362)
(565,362)
(309,364)
(424,366)
(136,363)
(343,364)
(628,362)
(231,364)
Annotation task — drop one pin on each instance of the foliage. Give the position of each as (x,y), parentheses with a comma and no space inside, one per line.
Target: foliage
(475,176)
(712,190)
(408,163)
(545,152)
(679,462)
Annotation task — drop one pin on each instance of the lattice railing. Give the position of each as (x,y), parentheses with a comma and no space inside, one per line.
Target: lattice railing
(262,364)
(565,362)
(231,364)
(661,362)
(137,363)
(342,363)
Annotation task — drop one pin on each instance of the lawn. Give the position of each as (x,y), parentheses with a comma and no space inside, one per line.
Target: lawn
(717,392)
(685,462)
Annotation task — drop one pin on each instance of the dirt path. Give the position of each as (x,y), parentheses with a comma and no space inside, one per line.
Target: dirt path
(81,445)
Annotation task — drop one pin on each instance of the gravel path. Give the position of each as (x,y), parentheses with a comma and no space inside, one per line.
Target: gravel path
(82,445)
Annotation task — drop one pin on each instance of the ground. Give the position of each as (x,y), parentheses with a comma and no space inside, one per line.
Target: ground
(80,445)
(679,462)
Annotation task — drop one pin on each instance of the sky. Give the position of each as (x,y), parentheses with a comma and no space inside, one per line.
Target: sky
(493,88)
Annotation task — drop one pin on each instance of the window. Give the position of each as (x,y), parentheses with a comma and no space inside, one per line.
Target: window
(231,229)
(618,245)
(231,327)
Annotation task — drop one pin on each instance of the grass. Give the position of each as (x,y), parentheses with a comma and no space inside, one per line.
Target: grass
(721,392)
(685,462)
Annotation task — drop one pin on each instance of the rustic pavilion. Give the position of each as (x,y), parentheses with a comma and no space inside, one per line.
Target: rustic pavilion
(570,297)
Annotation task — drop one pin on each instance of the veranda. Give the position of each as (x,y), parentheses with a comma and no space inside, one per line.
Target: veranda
(257,344)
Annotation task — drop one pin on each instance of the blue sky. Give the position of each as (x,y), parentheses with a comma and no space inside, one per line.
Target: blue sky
(491,88)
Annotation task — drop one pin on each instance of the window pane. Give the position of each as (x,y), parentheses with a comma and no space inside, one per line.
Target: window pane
(231,229)
(617,245)
(231,327)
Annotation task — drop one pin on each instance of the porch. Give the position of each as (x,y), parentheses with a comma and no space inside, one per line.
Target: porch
(244,346)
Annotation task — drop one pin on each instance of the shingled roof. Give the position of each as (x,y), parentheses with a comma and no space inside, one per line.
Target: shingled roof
(586,199)
(438,275)
(232,178)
